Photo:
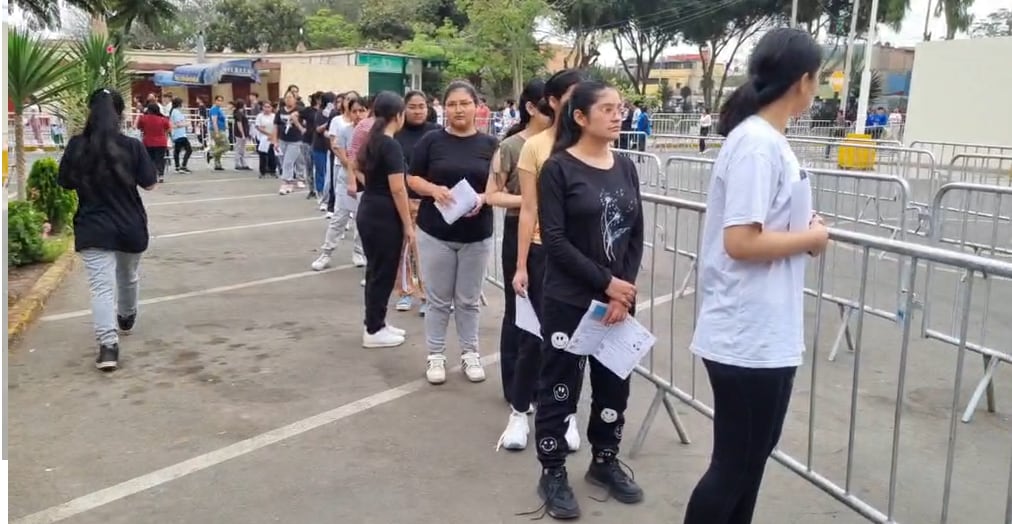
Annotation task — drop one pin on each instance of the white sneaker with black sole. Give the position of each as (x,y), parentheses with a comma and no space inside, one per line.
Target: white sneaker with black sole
(384,338)
(470,364)
(435,369)
(358,260)
(517,431)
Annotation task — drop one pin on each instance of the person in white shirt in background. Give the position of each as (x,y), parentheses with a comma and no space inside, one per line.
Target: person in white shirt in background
(705,123)
(750,328)
(264,126)
(895,124)
(438,107)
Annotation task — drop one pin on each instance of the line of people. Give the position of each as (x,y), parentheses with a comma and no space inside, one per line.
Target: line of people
(575,215)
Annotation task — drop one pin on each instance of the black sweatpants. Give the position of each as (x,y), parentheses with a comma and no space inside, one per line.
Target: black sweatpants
(268,160)
(559,389)
(509,334)
(382,234)
(157,155)
(181,145)
(750,405)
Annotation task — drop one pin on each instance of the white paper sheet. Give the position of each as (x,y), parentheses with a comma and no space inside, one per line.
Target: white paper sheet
(527,319)
(464,200)
(801,203)
(263,146)
(620,347)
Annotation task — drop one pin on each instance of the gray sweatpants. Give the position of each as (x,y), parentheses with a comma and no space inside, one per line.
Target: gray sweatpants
(240,153)
(109,270)
(454,273)
(291,157)
(336,228)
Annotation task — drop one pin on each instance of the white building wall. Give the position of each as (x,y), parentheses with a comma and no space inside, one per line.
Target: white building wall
(959,92)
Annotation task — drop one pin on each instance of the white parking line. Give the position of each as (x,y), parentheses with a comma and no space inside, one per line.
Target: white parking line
(215,199)
(156,478)
(210,291)
(175,181)
(237,228)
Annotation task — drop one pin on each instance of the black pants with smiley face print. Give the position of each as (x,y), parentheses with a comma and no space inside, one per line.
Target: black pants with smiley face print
(559,390)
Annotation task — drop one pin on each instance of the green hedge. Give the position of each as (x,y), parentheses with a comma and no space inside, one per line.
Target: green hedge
(57,204)
(47,202)
(24,234)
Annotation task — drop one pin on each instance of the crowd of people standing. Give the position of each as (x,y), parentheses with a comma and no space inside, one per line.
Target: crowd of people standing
(573,234)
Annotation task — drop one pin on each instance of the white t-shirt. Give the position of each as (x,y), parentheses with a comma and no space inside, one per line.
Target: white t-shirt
(267,122)
(337,124)
(751,313)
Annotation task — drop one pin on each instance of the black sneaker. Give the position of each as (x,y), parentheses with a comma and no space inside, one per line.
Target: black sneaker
(606,471)
(126,324)
(219,168)
(553,488)
(108,358)
(184,169)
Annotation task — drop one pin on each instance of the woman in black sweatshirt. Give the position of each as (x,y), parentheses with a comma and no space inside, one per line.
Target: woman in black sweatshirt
(591,221)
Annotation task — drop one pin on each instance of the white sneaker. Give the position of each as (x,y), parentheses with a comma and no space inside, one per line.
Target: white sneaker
(515,436)
(321,263)
(383,338)
(572,433)
(396,330)
(300,184)
(435,371)
(470,364)
(358,259)
(329,215)
(362,283)
(323,207)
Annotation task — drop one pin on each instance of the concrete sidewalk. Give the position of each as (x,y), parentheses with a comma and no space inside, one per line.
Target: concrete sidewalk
(245,397)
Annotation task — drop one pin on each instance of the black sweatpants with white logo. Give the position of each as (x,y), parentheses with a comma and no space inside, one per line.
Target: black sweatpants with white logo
(559,389)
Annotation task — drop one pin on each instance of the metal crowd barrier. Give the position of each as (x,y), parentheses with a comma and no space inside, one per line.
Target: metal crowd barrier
(945,151)
(980,169)
(648,165)
(880,436)
(982,227)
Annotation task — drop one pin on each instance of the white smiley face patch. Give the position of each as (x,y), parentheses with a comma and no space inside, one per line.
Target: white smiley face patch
(560,340)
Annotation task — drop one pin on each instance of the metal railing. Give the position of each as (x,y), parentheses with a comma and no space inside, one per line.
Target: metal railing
(881,436)
(945,151)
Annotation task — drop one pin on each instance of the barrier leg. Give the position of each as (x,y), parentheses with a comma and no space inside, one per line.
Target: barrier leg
(660,397)
(676,420)
(843,333)
(985,385)
(684,288)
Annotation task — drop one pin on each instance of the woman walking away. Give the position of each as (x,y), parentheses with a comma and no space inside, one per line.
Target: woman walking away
(242,134)
(533,155)
(751,258)
(288,129)
(180,140)
(453,256)
(591,221)
(347,196)
(383,219)
(415,127)
(265,148)
(519,351)
(154,128)
(105,167)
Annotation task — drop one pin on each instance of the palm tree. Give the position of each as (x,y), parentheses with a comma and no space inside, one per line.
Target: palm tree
(123,14)
(46,13)
(97,61)
(957,16)
(34,69)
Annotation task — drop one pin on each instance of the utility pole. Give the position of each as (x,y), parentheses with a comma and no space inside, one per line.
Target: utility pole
(869,46)
(927,20)
(794,13)
(849,60)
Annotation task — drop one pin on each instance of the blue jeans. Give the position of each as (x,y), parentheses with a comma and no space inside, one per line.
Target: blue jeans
(320,169)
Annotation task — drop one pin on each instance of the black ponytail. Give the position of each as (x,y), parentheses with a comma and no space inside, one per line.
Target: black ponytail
(584,96)
(782,57)
(534,92)
(386,107)
(102,159)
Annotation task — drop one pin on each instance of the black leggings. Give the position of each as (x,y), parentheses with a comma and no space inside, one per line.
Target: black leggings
(749,407)
(268,160)
(520,351)
(157,155)
(181,144)
(382,234)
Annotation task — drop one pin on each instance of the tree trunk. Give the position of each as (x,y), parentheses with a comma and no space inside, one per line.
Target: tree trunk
(19,156)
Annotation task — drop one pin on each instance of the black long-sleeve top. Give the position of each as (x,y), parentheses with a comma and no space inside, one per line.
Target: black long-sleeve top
(591,227)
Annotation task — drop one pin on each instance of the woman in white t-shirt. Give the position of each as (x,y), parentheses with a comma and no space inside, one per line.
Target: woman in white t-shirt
(264,125)
(750,330)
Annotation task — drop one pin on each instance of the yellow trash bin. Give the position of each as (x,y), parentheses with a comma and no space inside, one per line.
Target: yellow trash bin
(858,158)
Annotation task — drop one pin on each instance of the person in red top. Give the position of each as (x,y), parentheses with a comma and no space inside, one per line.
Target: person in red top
(154,128)
(483,117)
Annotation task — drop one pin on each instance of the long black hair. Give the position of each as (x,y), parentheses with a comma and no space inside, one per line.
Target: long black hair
(781,58)
(557,85)
(386,107)
(534,93)
(102,158)
(585,94)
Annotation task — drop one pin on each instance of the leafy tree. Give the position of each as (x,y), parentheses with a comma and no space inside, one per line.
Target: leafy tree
(46,13)
(327,29)
(834,16)
(957,15)
(448,49)
(998,23)
(123,14)
(611,76)
(502,30)
(666,93)
(35,68)
(178,33)
(252,25)
(96,61)
(384,20)
(638,25)
(582,20)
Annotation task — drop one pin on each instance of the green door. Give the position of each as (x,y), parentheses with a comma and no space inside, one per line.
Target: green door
(386,82)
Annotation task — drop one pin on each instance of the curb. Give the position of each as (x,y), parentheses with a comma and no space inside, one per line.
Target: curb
(25,311)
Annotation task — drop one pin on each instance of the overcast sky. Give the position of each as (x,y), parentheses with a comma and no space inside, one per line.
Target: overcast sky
(909,35)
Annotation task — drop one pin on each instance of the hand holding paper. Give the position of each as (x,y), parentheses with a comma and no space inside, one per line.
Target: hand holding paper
(620,346)
(464,200)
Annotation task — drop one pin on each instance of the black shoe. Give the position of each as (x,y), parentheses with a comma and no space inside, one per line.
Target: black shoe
(184,169)
(126,324)
(554,490)
(161,180)
(606,471)
(108,358)
(219,168)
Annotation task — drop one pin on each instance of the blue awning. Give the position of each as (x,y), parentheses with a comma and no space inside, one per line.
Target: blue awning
(210,74)
(164,79)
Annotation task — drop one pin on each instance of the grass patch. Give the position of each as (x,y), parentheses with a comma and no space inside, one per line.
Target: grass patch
(55,246)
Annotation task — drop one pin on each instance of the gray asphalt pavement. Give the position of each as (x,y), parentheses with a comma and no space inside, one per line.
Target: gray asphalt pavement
(245,397)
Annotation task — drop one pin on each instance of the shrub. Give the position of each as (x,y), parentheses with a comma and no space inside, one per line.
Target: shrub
(53,247)
(55,203)
(24,234)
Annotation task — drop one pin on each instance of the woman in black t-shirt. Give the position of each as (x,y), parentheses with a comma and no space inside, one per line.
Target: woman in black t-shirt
(592,231)
(383,217)
(105,167)
(453,256)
